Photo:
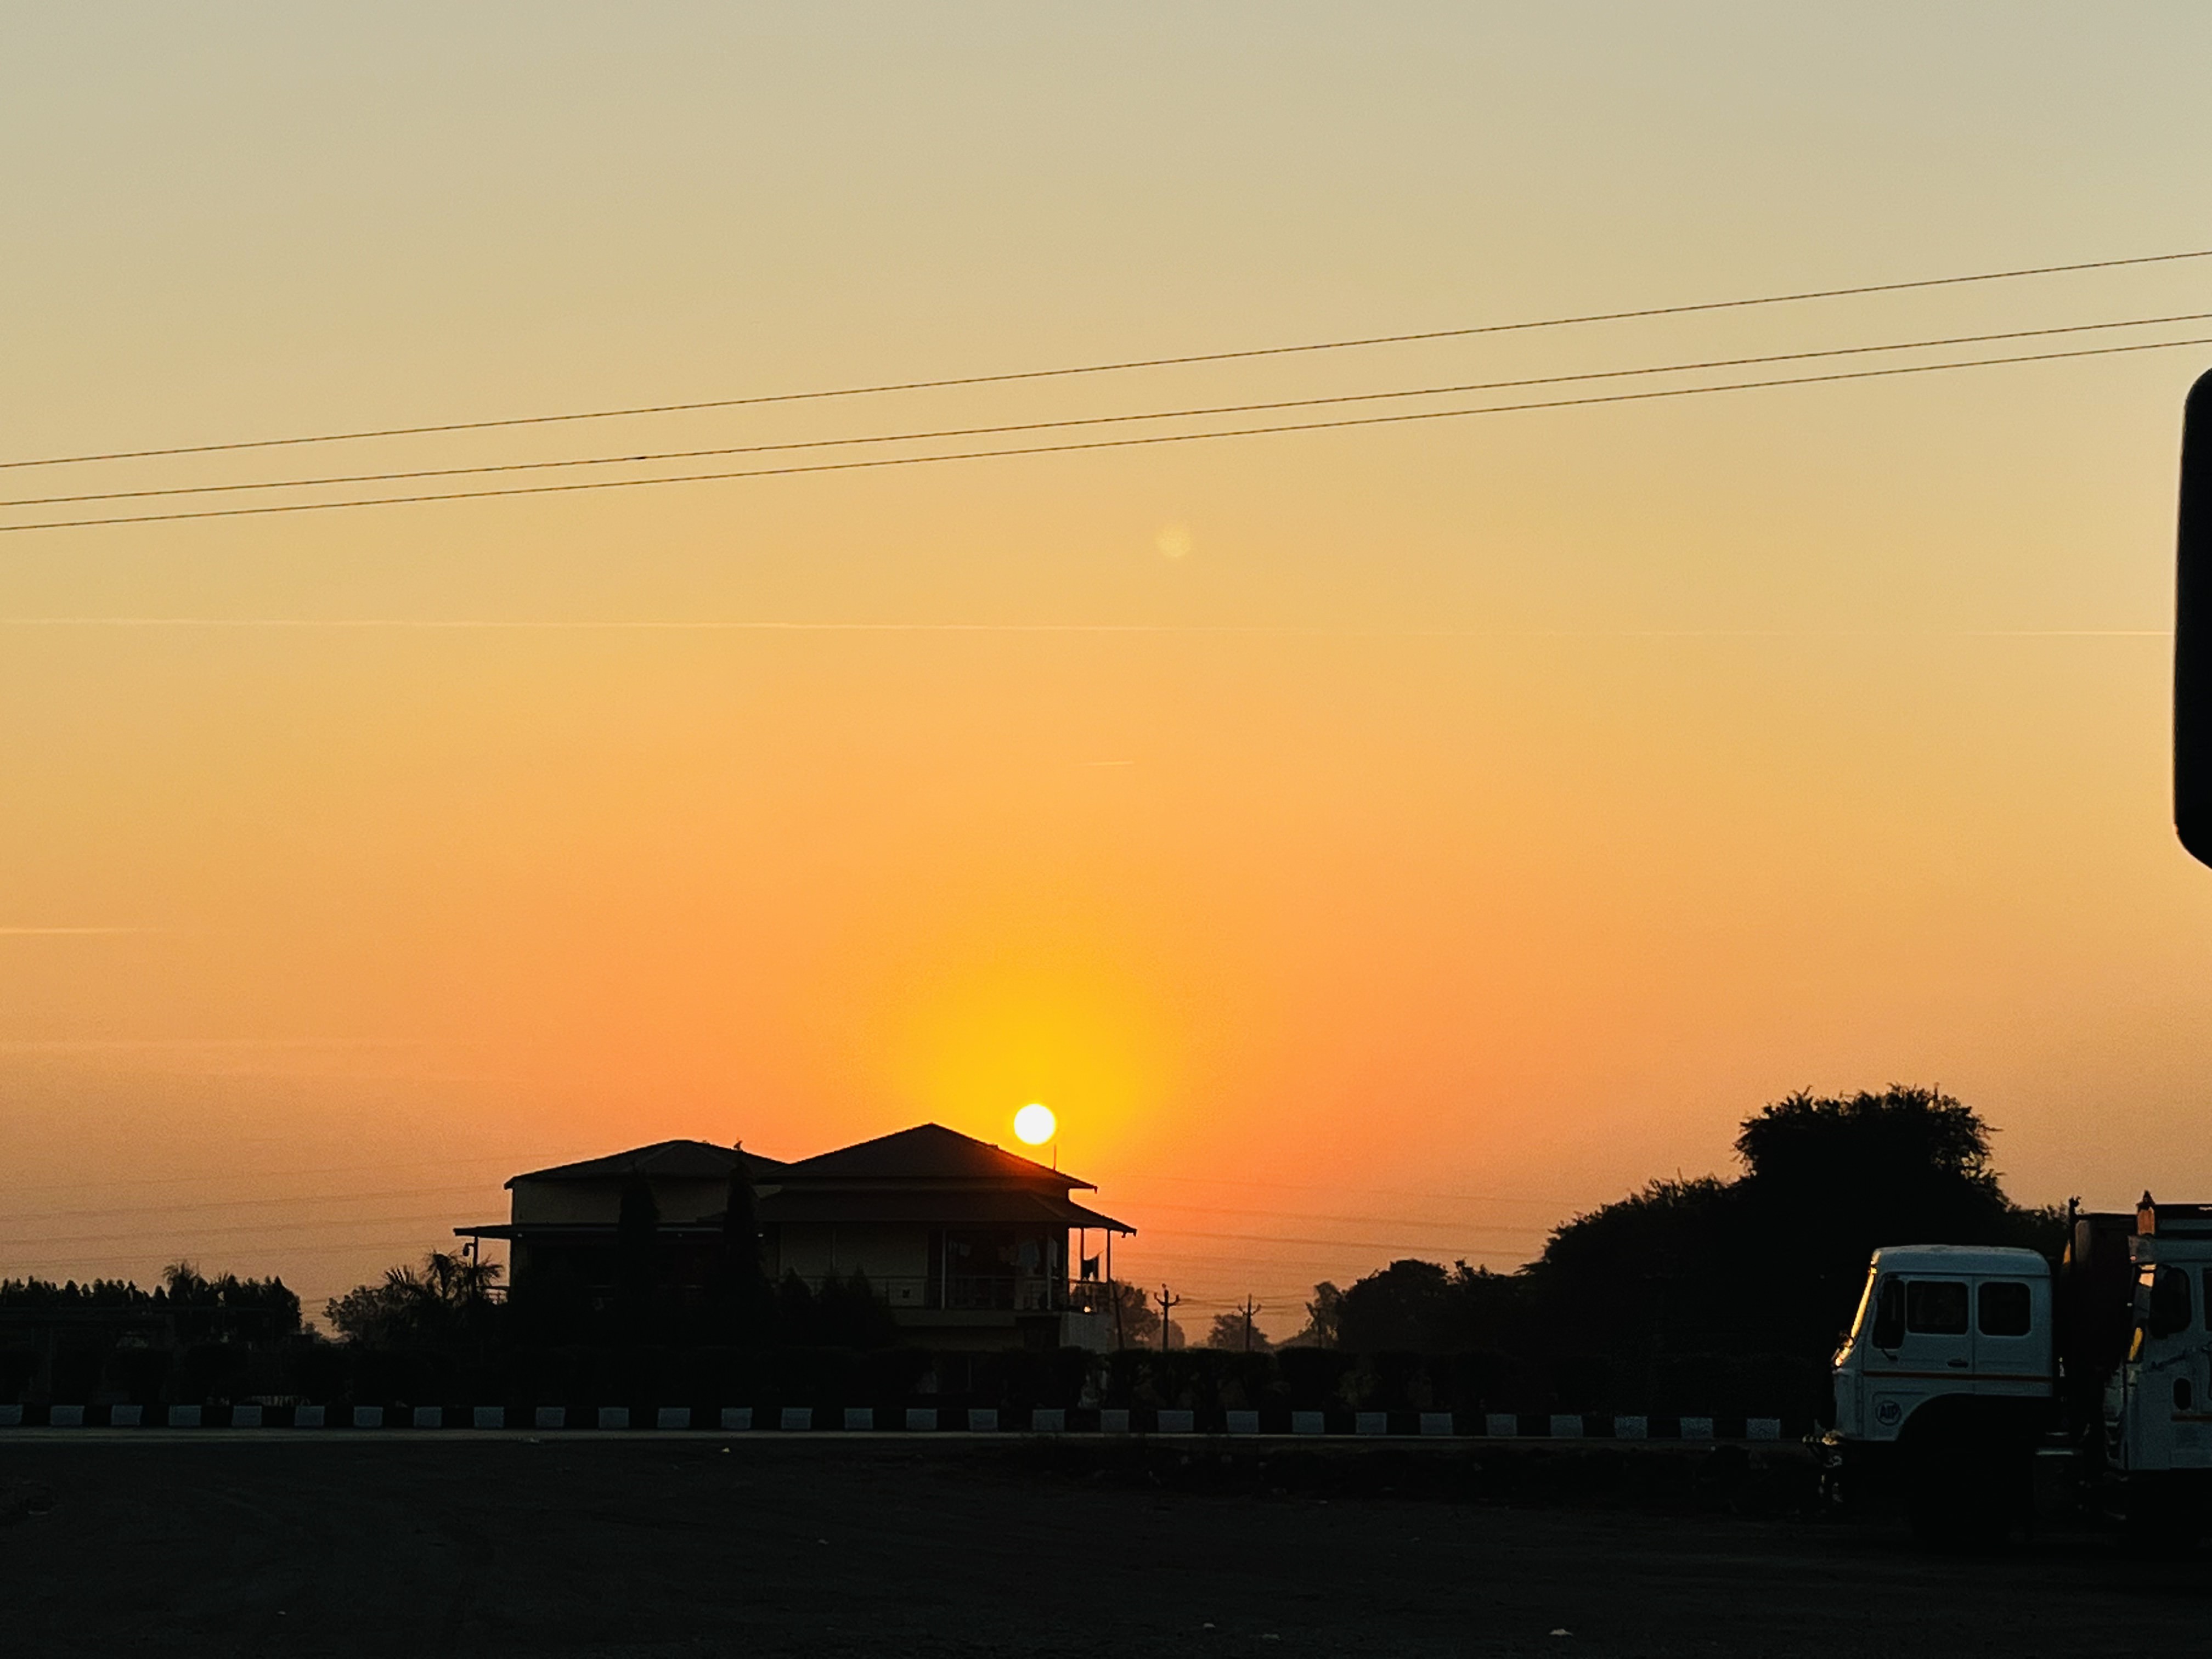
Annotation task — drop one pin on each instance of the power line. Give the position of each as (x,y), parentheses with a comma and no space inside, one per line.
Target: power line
(71,1264)
(1094,420)
(1349,1220)
(1125,364)
(1242,1183)
(253,1229)
(274,1175)
(198,1206)
(1145,440)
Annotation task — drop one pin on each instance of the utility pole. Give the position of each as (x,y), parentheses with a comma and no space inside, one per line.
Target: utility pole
(1167,1330)
(1250,1308)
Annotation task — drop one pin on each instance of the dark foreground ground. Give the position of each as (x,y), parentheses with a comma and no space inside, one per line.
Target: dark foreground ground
(656,1547)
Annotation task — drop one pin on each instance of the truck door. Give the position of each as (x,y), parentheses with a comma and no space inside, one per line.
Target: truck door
(1938,1340)
(2012,1337)
(1923,1346)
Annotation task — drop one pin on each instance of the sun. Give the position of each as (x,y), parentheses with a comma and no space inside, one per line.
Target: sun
(1035,1125)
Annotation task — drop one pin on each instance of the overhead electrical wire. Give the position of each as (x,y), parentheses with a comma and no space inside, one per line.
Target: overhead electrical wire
(1202,411)
(1147,440)
(1122,365)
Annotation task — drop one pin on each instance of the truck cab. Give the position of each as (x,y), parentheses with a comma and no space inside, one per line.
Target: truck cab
(1958,1332)
(2157,1403)
(1964,1361)
(1944,1387)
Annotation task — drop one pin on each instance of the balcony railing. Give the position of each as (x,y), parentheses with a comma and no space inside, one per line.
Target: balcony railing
(979,1292)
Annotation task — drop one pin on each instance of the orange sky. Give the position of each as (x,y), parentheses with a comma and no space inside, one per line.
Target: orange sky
(1371,842)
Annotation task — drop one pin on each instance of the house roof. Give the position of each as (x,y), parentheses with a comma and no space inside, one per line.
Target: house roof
(928,1152)
(671,1160)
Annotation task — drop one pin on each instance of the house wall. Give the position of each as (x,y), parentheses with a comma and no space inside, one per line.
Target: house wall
(896,1258)
(549,1201)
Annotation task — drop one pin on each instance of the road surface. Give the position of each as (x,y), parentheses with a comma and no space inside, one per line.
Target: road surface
(184,1546)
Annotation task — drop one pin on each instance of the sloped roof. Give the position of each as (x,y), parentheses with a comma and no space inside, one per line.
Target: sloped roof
(669,1160)
(928,1152)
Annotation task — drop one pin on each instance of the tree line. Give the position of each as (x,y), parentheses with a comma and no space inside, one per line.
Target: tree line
(1770,1262)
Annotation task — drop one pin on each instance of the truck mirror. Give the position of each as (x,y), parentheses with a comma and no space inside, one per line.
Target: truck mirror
(2192,629)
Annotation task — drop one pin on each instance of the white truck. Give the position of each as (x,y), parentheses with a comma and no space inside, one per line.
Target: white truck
(1966,1365)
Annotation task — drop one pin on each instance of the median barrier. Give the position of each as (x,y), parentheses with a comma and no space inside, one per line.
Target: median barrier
(922,1419)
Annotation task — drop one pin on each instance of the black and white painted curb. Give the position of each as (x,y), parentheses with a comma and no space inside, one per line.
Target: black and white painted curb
(912,1419)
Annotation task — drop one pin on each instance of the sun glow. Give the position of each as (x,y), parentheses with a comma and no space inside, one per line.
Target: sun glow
(1035,1125)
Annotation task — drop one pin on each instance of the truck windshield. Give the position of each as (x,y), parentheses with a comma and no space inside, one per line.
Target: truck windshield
(1866,1305)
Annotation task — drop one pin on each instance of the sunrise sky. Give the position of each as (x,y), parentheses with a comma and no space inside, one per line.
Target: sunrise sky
(1370,843)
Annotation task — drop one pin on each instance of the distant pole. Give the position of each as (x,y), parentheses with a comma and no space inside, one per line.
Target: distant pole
(1250,1308)
(1167,1330)
(1113,1290)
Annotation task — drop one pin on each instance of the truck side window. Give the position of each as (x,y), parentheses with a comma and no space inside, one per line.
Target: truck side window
(2004,1307)
(2169,1301)
(1936,1307)
(1888,1315)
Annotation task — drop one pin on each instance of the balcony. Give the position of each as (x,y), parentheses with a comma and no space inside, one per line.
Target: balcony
(980,1292)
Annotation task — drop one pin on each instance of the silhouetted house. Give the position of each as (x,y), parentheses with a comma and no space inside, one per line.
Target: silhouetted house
(969,1245)
(564,1233)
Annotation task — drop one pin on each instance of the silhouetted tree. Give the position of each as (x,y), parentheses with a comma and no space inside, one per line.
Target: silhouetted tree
(1231,1332)
(1407,1306)
(742,1299)
(841,1313)
(1324,1317)
(637,1255)
(227,1309)
(1769,1263)
(446,1300)
(1140,1321)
